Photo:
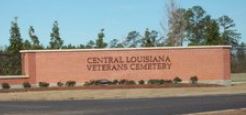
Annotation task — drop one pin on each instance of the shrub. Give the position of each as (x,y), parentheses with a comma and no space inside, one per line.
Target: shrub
(26,85)
(168,81)
(194,79)
(141,82)
(70,83)
(122,82)
(107,82)
(60,84)
(127,82)
(177,80)
(130,82)
(5,86)
(161,81)
(152,81)
(92,82)
(156,81)
(43,84)
(103,82)
(115,82)
(87,83)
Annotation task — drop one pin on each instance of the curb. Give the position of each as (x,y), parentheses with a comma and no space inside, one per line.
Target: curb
(235,83)
(219,112)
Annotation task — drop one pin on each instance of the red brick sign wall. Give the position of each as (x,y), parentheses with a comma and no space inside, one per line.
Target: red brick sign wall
(209,64)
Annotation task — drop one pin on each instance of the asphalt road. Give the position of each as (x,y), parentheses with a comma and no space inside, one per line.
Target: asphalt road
(157,106)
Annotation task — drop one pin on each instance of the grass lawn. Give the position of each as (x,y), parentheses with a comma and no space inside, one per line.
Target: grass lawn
(120,93)
(238,77)
(126,93)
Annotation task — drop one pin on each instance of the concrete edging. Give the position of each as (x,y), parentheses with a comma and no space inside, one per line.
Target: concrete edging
(126,49)
(218,112)
(14,76)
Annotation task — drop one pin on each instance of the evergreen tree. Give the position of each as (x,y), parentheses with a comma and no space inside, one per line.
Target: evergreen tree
(56,41)
(81,46)
(203,30)
(211,32)
(115,44)
(230,36)
(91,44)
(100,42)
(16,43)
(149,38)
(133,40)
(34,38)
(13,62)
(27,45)
(69,46)
(196,26)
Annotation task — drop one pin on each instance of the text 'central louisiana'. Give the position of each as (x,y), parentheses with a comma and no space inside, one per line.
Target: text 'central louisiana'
(119,63)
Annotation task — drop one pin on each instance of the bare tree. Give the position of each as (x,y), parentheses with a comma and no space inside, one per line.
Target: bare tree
(177,24)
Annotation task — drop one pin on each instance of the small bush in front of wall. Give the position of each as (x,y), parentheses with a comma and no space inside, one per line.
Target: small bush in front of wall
(115,82)
(122,82)
(60,84)
(26,85)
(141,82)
(156,81)
(130,82)
(5,86)
(177,80)
(101,82)
(70,83)
(127,82)
(87,83)
(161,81)
(92,82)
(194,79)
(168,81)
(43,84)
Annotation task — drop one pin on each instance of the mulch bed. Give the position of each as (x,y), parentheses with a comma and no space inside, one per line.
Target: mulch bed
(103,87)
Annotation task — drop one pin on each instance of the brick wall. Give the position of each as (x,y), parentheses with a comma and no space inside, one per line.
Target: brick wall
(208,63)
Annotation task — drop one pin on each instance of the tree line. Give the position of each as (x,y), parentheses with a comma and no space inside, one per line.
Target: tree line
(192,26)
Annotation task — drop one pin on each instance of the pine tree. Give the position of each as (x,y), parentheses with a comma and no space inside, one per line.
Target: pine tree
(34,39)
(27,45)
(115,44)
(211,32)
(230,35)
(13,65)
(196,26)
(149,38)
(56,41)
(16,43)
(133,40)
(91,44)
(100,42)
